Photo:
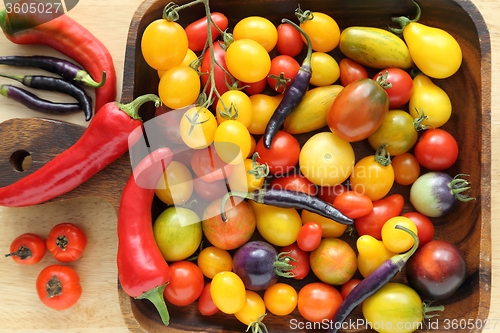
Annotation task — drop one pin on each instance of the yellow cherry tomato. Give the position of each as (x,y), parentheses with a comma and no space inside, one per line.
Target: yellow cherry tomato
(325,69)
(280,299)
(259,29)
(232,141)
(323,31)
(213,260)
(247,60)
(175,187)
(228,292)
(263,107)
(234,104)
(179,87)
(248,176)
(197,127)
(253,310)
(397,240)
(371,253)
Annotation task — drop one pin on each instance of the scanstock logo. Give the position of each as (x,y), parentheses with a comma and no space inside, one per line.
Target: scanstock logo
(26,14)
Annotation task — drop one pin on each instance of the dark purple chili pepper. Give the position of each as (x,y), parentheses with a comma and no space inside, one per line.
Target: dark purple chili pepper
(373,282)
(61,67)
(59,85)
(290,199)
(293,94)
(36,103)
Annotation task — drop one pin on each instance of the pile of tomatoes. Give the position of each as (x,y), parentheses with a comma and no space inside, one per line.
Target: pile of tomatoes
(217,99)
(58,286)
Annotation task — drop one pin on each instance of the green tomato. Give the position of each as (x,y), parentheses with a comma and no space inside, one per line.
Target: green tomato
(177,232)
(394,308)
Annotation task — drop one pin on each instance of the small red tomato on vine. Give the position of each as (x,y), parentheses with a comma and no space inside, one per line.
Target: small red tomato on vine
(283,69)
(66,242)
(27,249)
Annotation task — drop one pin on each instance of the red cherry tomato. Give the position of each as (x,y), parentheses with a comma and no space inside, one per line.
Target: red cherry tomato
(197,31)
(255,87)
(353,204)
(425,227)
(348,286)
(282,156)
(283,69)
(351,71)
(294,182)
(289,40)
(58,287)
(206,305)
(329,193)
(309,236)
(301,262)
(66,242)
(318,301)
(383,209)
(27,249)
(436,149)
(401,86)
(186,283)
(207,165)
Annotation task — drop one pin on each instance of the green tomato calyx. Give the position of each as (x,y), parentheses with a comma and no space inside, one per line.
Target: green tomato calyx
(460,188)
(403,21)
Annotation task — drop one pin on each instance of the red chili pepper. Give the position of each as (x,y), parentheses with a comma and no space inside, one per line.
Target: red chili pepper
(142,271)
(67,36)
(105,140)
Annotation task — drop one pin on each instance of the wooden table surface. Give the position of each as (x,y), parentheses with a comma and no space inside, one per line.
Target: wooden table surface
(98,309)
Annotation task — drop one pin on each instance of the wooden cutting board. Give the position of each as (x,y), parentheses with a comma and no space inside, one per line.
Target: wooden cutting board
(91,206)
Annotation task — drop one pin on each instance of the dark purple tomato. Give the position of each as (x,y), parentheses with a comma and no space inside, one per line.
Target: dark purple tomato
(256,264)
(436,270)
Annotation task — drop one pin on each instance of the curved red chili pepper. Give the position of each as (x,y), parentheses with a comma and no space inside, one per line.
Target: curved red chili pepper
(105,140)
(142,271)
(67,36)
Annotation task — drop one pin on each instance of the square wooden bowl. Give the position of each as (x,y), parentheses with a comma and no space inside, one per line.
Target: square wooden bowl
(469,89)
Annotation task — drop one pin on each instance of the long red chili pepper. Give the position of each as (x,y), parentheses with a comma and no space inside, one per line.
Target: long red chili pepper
(142,271)
(105,140)
(67,36)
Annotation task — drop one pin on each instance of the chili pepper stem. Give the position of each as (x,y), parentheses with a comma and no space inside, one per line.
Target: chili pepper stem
(226,197)
(307,61)
(132,108)
(155,296)
(18,78)
(405,256)
(84,77)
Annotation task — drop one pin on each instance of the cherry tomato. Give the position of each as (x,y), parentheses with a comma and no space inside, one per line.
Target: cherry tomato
(220,73)
(398,131)
(294,182)
(283,69)
(285,227)
(309,236)
(289,40)
(232,141)
(186,283)
(253,310)
(323,31)
(234,104)
(329,193)
(401,86)
(209,190)
(301,260)
(257,28)
(263,107)
(66,242)
(247,60)
(325,69)
(206,305)
(208,166)
(436,149)
(280,299)
(348,286)
(373,176)
(406,168)
(353,204)
(228,292)
(27,249)
(333,261)
(397,240)
(424,225)
(318,301)
(326,160)
(329,227)
(58,287)
(176,185)
(198,127)
(254,88)
(283,154)
(383,209)
(213,260)
(197,32)
(351,71)
(157,47)
(179,87)
(248,176)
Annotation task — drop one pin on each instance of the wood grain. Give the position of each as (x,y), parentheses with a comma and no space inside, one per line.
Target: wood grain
(99,309)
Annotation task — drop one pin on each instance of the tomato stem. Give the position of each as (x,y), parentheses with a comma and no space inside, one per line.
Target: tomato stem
(460,188)
(403,21)
(53,287)
(155,296)
(426,308)
(257,326)
(171,10)
(417,122)
(282,265)
(382,156)
(22,253)
(258,170)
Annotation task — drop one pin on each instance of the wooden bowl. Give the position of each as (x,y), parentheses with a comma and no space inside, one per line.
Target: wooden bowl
(469,89)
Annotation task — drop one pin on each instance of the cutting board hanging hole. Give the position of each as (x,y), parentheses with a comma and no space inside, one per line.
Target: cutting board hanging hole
(21,160)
